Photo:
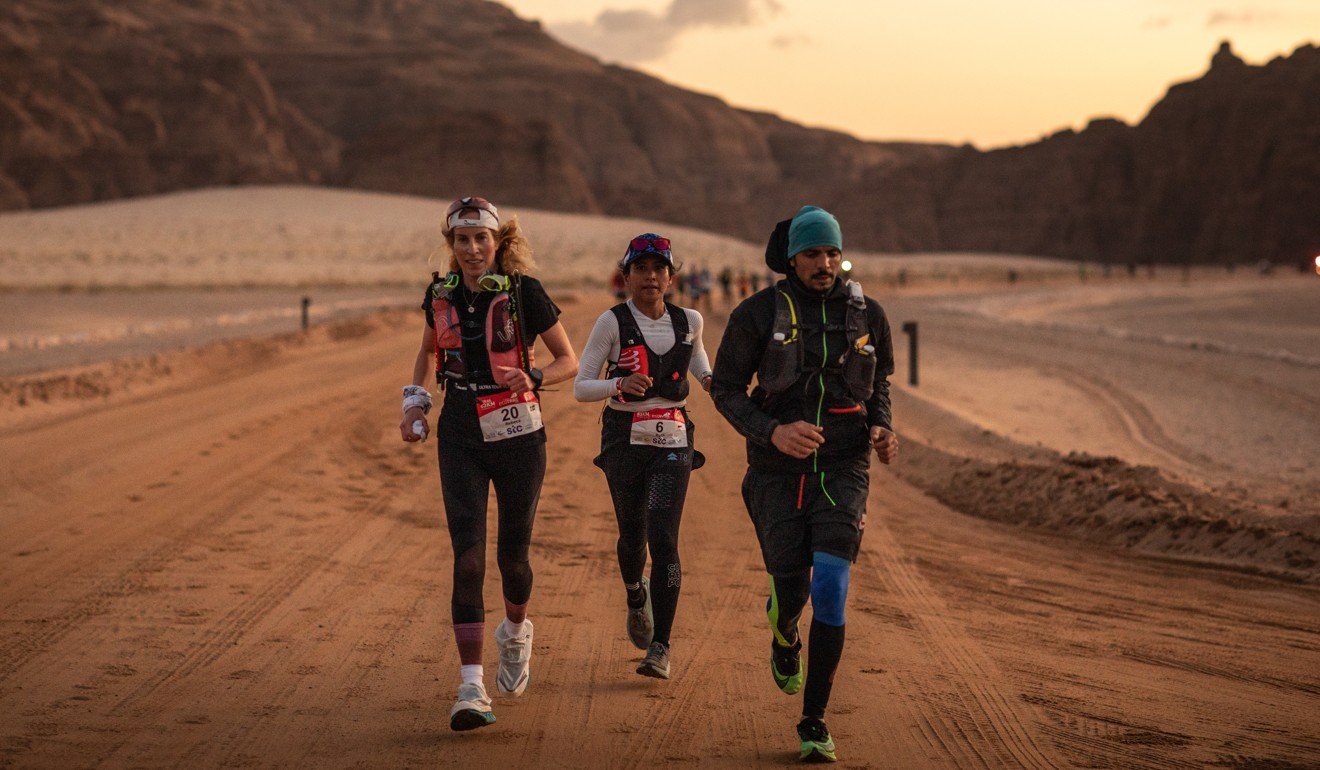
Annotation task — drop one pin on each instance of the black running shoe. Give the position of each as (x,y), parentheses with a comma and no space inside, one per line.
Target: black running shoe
(817,745)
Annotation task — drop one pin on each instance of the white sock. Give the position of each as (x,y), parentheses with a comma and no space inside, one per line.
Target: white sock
(516,629)
(471,674)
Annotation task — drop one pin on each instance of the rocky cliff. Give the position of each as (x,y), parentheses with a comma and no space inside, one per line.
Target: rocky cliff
(107,98)
(1225,168)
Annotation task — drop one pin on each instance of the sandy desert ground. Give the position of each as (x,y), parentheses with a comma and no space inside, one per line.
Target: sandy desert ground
(1099,549)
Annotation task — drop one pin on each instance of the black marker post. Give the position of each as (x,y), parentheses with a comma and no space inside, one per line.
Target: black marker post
(910,329)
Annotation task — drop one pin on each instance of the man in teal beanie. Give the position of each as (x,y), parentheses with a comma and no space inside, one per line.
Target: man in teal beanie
(813,226)
(821,354)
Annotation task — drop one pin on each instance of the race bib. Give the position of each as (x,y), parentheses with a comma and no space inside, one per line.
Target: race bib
(664,427)
(506,414)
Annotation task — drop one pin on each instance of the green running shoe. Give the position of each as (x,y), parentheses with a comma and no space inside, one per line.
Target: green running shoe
(817,745)
(785,658)
(786,665)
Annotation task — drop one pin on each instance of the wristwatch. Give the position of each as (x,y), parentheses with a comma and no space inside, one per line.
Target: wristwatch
(537,378)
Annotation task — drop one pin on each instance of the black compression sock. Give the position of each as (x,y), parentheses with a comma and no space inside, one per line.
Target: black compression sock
(636,596)
(824,649)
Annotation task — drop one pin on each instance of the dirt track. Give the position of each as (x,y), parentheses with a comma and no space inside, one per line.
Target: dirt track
(252,571)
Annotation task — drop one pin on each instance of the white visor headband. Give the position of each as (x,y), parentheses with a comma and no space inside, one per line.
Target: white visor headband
(483,219)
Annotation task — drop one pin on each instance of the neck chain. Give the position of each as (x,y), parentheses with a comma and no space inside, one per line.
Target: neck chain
(469,299)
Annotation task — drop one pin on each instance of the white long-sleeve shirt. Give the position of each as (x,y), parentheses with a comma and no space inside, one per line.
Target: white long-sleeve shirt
(603,346)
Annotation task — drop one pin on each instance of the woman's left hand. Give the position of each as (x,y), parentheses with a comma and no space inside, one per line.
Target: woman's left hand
(705,382)
(515,379)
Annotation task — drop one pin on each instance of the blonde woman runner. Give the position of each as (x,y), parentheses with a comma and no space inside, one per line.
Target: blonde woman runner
(482,321)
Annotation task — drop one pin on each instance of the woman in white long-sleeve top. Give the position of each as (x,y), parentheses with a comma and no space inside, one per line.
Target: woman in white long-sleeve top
(638,359)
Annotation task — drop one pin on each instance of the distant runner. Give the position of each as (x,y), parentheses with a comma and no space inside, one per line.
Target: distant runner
(482,321)
(822,355)
(647,347)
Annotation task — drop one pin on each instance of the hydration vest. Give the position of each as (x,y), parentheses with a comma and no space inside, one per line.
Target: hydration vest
(502,333)
(668,372)
(784,360)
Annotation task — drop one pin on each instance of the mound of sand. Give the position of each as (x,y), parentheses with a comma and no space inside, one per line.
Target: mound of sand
(1105,500)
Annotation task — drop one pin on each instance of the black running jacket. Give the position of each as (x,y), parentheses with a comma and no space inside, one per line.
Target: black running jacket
(819,395)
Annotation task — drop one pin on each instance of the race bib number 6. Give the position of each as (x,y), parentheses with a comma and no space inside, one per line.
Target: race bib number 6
(506,414)
(659,427)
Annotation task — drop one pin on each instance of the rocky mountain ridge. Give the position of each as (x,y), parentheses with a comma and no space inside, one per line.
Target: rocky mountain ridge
(102,99)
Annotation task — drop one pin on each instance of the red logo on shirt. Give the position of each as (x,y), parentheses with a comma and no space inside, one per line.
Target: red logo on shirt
(634,359)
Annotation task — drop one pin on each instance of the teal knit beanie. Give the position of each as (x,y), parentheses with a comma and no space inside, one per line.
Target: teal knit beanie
(813,226)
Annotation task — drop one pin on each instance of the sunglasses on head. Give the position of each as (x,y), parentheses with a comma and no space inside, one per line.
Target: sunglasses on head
(641,245)
(471,202)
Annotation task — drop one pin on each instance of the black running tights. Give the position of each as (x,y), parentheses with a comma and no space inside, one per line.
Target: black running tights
(649,488)
(824,648)
(466,475)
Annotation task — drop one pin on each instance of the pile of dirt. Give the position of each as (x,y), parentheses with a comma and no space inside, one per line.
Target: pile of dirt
(1105,500)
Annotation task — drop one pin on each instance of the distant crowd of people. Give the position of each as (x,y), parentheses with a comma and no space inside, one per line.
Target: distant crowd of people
(698,288)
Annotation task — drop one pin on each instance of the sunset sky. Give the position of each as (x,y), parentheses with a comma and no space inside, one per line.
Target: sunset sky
(943,70)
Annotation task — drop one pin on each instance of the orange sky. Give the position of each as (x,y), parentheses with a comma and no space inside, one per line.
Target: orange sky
(943,70)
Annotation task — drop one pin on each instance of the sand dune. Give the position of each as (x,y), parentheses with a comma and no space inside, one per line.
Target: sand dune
(308,236)
(296,236)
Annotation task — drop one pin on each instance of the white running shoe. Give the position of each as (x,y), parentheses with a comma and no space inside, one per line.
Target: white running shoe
(515,658)
(472,709)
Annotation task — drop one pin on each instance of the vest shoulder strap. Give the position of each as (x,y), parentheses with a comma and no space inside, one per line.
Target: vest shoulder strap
(678,317)
(629,333)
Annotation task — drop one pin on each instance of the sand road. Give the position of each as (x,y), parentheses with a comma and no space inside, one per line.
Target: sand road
(248,569)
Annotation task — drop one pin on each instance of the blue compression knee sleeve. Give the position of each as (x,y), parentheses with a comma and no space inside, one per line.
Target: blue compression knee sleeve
(829,587)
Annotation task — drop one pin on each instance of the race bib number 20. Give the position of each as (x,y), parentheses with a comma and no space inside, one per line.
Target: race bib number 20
(507,414)
(662,427)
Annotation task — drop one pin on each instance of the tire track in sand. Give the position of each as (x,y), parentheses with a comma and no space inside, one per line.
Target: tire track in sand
(18,651)
(1003,730)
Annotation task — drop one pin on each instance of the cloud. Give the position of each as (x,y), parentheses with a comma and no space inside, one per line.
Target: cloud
(635,35)
(1245,16)
(792,41)
(719,13)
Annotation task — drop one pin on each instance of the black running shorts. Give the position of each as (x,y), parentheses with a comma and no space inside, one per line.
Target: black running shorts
(794,516)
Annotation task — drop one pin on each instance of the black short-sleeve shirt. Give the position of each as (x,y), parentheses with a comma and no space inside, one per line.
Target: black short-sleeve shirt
(458,422)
